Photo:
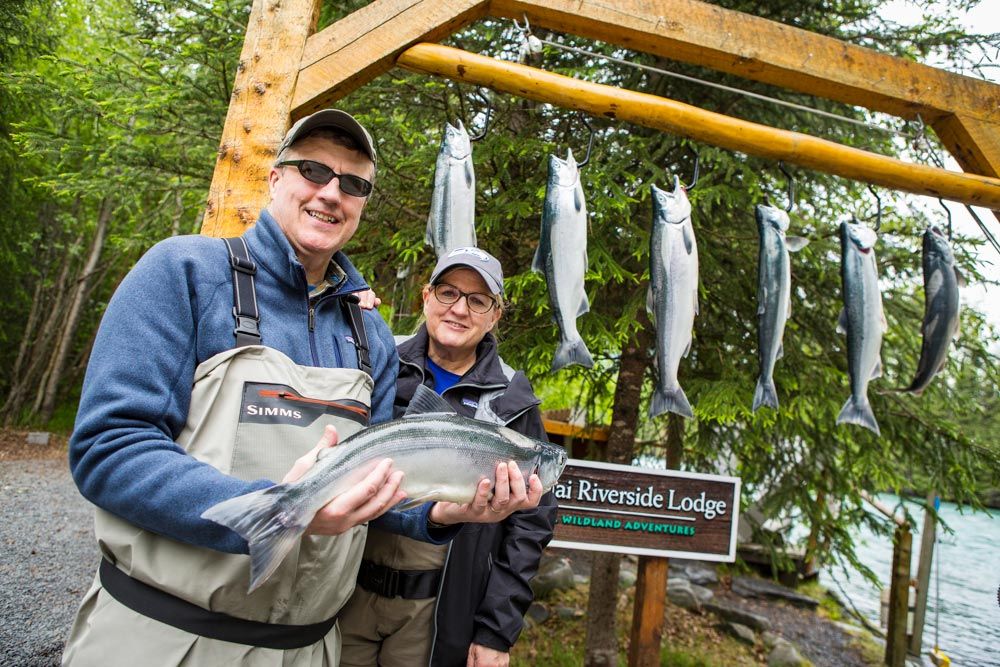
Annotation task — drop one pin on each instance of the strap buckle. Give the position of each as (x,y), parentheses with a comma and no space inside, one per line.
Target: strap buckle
(382,580)
(243,265)
(246,325)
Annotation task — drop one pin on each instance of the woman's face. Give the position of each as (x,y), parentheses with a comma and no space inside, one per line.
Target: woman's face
(454,329)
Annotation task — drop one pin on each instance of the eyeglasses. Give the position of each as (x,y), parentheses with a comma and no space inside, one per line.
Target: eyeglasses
(478,302)
(320,174)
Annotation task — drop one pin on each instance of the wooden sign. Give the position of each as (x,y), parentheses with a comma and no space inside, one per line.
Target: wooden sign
(632,510)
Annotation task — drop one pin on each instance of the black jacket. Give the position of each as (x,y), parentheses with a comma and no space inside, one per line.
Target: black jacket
(485,592)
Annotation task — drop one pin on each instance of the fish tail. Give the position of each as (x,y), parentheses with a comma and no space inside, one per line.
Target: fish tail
(670,400)
(859,411)
(572,352)
(267,525)
(765,394)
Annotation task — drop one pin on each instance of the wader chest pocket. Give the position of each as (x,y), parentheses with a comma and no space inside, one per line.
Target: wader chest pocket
(278,424)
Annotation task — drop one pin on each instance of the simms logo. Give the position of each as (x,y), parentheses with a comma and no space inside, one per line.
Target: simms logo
(272,412)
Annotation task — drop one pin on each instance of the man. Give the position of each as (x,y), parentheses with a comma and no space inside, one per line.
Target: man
(216,369)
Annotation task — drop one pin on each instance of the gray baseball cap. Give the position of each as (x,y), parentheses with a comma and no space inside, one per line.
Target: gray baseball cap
(480,261)
(332,118)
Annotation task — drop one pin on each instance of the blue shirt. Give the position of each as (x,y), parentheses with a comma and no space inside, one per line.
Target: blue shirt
(443,380)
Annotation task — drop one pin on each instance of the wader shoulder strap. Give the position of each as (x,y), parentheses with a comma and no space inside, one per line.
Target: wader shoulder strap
(245,310)
(352,311)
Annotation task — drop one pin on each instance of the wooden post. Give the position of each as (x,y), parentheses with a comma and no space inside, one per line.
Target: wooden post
(899,595)
(924,574)
(651,584)
(258,115)
(707,126)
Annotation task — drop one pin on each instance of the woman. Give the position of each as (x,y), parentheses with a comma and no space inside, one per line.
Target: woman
(463,604)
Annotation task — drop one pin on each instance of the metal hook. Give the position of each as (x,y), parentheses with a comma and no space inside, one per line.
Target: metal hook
(527,26)
(948,211)
(791,186)
(694,177)
(590,144)
(489,112)
(878,211)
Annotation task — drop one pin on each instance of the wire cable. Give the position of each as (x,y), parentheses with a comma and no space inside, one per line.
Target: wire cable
(730,89)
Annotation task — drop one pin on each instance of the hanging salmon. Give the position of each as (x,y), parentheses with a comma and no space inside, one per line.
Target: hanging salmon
(451,222)
(562,258)
(774,296)
(672,299)
(862,319)
(941,308)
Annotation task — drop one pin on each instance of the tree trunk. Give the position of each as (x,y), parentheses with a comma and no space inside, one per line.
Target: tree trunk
(38,355)
(80,292)
(602,637)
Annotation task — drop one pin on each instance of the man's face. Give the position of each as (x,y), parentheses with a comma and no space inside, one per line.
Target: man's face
(318,220)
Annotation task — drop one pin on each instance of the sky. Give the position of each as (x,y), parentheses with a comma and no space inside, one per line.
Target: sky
(984,19)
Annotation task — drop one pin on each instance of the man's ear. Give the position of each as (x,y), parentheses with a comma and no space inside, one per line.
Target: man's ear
(272,179)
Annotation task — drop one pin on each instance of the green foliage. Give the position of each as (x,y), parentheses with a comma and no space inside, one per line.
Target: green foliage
(123,101)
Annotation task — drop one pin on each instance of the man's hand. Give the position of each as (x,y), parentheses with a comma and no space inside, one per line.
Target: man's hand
(368,300)
(366,500)
(510,494)
(484,656)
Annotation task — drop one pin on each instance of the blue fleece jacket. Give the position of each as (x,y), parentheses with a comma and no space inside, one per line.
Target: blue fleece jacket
(173,311)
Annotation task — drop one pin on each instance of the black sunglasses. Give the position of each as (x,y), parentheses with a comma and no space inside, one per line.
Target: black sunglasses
(319,173)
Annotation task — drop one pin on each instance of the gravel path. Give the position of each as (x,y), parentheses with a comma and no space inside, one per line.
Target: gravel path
(48,557)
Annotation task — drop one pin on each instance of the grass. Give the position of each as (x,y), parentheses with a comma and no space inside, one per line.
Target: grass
(689,639)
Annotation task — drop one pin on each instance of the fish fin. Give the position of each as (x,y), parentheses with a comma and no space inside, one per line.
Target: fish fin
(781,350)
(584,306)
(761,299)
(578,199)
(572,352)
(696,309)
(884,323)
(670,400)
(877,370)
(470,176)
(425,401)
(688,239)
(960,278)
(842,321)
(416,501)
(270,527)
(929,326)
(795,243)
(765,394)
(860,413)
(537,262)
(944,362)
(687,348)
(649,304)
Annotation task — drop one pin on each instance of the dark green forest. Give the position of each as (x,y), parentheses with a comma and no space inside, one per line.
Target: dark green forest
(110,118)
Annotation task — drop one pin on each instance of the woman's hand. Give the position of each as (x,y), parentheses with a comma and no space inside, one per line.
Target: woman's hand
(368,300)
(510,494)
(484,656)
(366,500)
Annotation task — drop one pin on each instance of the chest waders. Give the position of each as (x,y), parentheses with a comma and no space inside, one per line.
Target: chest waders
(157,601)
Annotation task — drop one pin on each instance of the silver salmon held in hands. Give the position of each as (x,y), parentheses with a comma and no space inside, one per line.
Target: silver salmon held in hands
(862,319)
(451,222)
(774,296)
(941,308)
(672,299)
(562,258)
(444,456)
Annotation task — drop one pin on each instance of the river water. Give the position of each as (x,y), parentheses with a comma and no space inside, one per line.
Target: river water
(966,605)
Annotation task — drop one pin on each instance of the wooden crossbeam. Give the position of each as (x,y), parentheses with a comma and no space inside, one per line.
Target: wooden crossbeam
(706,126)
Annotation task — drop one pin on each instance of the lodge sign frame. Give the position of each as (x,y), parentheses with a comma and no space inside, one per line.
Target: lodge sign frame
(647,512)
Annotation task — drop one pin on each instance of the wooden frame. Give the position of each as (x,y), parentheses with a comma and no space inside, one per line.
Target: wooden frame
(288,70)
